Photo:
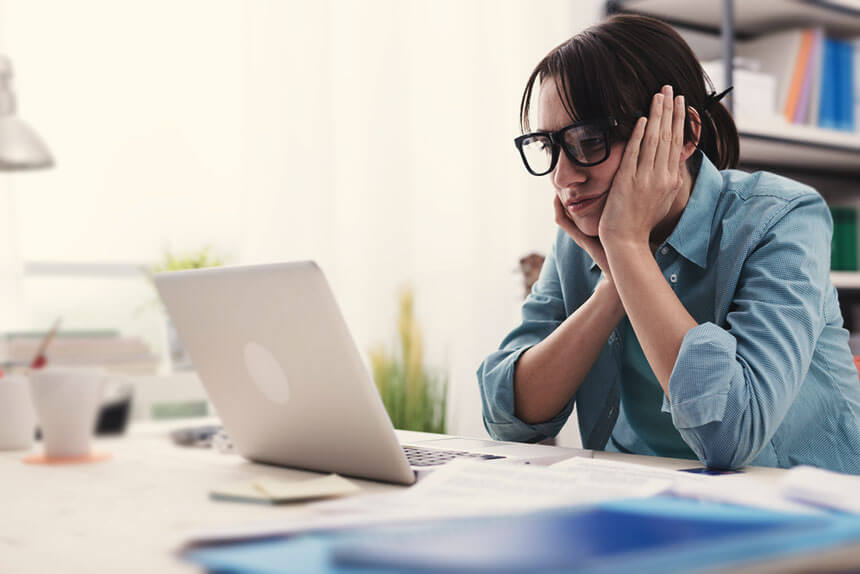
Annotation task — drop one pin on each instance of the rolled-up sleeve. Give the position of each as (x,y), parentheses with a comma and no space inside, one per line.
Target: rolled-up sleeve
(542,312)
(732,385)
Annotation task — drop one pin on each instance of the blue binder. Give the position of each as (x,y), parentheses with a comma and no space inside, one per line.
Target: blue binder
(846,92)
(648,535)
(827,103)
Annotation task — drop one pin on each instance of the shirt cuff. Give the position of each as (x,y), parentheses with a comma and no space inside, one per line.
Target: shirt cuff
(499,418)
(700,381)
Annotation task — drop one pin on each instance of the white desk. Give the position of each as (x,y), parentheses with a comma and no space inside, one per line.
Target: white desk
(131,513)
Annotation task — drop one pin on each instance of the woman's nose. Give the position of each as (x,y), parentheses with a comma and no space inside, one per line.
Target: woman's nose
(567,174)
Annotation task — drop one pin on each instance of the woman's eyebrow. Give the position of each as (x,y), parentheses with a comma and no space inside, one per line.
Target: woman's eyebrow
(551,129)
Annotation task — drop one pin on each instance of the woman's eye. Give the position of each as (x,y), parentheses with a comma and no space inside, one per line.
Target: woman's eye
(538,145)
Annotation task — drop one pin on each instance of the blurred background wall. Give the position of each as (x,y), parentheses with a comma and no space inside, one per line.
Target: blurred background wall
(374,136)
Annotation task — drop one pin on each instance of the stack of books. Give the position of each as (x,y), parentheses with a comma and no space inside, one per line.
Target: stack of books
(102,348)
(817,78)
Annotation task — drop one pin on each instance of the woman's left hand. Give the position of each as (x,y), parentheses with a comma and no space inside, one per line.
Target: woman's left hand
(649,175)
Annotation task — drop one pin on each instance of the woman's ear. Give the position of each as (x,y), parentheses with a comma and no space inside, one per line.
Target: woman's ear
(696,125)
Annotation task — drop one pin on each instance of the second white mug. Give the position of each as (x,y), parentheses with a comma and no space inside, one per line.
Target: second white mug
(67,401)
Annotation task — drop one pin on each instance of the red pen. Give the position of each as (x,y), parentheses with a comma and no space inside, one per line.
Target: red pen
(39,360)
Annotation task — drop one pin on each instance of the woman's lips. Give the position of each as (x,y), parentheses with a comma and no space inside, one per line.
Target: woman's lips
(582,205)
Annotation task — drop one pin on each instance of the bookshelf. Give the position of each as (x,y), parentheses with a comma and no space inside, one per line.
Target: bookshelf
(846,280)
(769,142)
(782,144)
(750,18)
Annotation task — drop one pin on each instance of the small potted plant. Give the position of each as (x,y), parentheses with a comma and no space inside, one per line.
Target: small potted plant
(414,396)
(172,261)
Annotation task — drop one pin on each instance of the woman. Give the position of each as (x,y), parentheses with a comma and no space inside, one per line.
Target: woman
(685,307)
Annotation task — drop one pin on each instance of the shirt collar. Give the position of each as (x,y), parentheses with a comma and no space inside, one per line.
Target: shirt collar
(692,235)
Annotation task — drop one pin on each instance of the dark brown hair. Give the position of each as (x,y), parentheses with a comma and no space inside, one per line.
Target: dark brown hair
(614,69)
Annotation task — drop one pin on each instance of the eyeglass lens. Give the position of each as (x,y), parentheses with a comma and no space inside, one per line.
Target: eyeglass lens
(586,144)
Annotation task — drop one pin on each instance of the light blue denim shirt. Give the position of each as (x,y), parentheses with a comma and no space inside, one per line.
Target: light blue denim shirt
(766,378)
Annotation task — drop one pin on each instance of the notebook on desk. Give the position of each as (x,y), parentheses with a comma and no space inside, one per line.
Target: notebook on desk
(280,366)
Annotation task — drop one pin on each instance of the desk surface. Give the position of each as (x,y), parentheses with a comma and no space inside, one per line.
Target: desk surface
(131,513)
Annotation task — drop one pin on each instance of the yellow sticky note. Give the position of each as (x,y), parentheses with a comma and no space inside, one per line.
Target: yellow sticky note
(323,487)
(273,490)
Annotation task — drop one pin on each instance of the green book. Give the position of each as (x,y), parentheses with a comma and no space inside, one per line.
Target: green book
(843,256)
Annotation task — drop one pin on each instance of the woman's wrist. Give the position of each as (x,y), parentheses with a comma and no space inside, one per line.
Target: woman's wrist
(607,293)
(626,245)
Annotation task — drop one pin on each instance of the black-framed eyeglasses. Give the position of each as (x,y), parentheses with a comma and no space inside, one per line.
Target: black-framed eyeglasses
(585,143)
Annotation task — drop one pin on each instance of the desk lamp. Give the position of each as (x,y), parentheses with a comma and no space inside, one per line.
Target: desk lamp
(21,149)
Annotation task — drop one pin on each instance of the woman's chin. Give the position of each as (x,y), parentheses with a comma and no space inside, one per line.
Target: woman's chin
(588,226)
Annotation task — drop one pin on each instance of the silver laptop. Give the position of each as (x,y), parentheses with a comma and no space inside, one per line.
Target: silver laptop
(284,375)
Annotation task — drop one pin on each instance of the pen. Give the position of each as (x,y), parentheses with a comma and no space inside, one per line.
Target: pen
(39,360)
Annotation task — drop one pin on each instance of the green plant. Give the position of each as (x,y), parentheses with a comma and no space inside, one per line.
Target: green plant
(171,261)
(175,262)
(414,396)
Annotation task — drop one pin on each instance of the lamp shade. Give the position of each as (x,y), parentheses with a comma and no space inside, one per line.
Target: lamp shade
(20,147)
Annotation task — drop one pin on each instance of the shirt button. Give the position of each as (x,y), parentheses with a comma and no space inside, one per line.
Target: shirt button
(664,251)
(673,278)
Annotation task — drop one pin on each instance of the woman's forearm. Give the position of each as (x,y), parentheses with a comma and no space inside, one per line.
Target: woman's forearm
(547,375)
(657,316)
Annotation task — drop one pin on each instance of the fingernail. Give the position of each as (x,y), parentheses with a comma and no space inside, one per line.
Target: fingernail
(659,99)
(682,100)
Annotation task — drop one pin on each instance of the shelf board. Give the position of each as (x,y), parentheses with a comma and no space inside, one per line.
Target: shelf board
(846,279)
(778,143)
(840,17)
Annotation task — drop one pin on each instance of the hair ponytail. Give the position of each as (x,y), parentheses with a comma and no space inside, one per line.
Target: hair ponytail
(719,140)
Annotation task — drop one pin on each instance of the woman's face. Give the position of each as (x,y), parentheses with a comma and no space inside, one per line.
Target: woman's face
(582,190)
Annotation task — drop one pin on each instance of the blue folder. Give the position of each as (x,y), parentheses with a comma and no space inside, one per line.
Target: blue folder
(645,535)
(843,88)
(848,121)
(828,99)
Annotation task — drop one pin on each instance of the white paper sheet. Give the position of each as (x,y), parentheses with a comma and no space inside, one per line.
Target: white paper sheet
(822,488)
(744,491)
(474,485)
(731,488)
(600,470)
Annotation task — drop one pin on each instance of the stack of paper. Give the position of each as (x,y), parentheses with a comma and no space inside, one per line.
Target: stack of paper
(460,488)
(463,489)
(107,348)
(640,535)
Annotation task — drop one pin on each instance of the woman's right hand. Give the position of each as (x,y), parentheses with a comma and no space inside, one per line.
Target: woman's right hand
(591,245)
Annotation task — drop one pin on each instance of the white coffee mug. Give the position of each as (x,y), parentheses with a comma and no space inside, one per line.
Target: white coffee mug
(67,401)
(17,417)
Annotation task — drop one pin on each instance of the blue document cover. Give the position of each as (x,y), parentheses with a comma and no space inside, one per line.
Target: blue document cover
(827,102)
(650,535)
(843,88)
(847,116)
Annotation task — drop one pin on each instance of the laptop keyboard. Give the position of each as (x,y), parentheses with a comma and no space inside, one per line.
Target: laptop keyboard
(418,456)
